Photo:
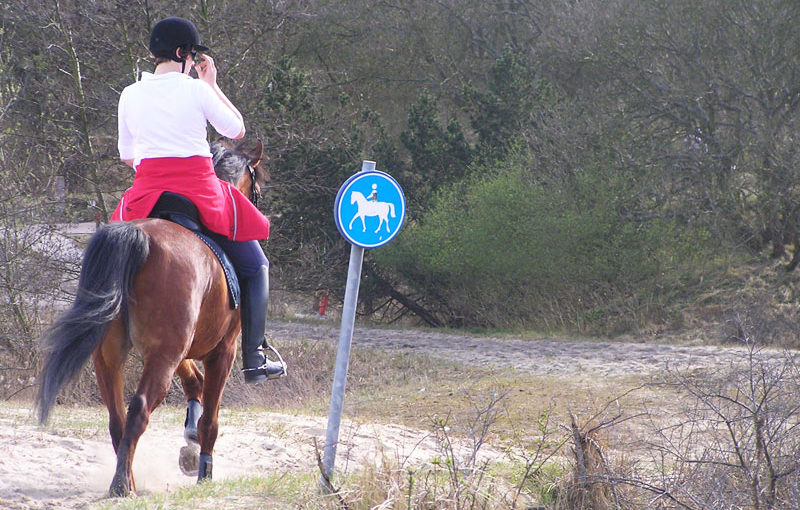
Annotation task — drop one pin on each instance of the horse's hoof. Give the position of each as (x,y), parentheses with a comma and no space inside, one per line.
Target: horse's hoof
(189,460)
(119,489)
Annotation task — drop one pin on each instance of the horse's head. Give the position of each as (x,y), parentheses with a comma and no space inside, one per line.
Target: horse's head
(241,166)
(357,196)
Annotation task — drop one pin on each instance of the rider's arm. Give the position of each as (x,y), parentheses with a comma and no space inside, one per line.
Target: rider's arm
(230,106)
(124,137)
(227,102)
(222,114)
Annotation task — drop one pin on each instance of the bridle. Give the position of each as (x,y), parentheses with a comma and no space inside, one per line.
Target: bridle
(254,195)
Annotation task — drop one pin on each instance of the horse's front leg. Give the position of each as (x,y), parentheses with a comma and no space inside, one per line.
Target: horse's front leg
(217,368)
(363,222)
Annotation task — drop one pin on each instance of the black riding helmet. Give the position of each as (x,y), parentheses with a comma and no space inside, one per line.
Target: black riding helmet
(171,33)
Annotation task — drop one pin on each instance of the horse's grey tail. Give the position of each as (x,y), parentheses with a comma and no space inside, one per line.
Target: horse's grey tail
(391,209)
(114,255)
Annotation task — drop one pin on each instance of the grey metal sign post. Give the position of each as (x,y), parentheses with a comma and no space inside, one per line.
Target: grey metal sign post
(367,200)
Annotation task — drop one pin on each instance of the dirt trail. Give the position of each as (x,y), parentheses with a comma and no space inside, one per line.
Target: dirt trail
(534,356)
(53,468)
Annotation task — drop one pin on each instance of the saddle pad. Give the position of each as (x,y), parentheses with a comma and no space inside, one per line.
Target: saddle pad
(227,267)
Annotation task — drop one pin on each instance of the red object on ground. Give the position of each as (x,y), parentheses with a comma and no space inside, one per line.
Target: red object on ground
(323,304)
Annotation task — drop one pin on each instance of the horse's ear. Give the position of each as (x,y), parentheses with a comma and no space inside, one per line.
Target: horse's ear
(253,153)
(257,153)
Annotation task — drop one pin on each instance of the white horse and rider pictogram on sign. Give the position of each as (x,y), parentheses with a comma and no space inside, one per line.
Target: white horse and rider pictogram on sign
(380,219)
(366,208)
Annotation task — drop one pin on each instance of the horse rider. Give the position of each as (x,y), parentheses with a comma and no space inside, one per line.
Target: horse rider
(373,197)
(162,136)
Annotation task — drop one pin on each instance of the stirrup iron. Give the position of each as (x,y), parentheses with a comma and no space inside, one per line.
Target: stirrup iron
(269,373)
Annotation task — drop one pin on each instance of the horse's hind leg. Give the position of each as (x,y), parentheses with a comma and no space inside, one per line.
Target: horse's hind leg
(156,379)
(218,367)
(109,361)
(192,381)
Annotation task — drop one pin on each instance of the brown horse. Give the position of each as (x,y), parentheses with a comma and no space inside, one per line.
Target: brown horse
(152,285)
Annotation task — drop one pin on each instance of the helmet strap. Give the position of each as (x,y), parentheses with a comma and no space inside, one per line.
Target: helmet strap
(180,58)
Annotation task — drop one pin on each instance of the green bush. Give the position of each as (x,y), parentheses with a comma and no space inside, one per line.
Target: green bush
(506,248)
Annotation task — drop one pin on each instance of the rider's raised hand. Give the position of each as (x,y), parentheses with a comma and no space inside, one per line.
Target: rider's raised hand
(206,70)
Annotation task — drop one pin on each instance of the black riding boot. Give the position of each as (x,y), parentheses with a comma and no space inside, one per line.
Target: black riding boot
(255,294)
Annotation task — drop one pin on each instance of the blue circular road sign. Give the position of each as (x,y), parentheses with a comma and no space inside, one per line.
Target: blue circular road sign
(370,209)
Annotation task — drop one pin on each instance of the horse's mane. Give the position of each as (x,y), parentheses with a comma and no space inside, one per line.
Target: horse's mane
(230,162)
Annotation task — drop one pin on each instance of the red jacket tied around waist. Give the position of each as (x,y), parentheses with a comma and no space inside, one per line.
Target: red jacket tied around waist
(223,208)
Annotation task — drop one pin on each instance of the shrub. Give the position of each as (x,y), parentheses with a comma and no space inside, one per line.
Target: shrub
(510,248)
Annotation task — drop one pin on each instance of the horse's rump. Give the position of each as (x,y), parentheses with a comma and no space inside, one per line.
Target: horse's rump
(179,289)
(159,279)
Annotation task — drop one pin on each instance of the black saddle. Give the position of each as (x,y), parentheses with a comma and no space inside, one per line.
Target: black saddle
(179,209)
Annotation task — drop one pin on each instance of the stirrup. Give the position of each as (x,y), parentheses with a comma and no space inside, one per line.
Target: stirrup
(268,370)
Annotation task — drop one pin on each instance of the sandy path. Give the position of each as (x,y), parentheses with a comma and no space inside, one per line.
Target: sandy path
(65,468)
(534,356)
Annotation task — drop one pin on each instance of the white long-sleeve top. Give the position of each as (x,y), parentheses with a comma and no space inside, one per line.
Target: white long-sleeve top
(166,115)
